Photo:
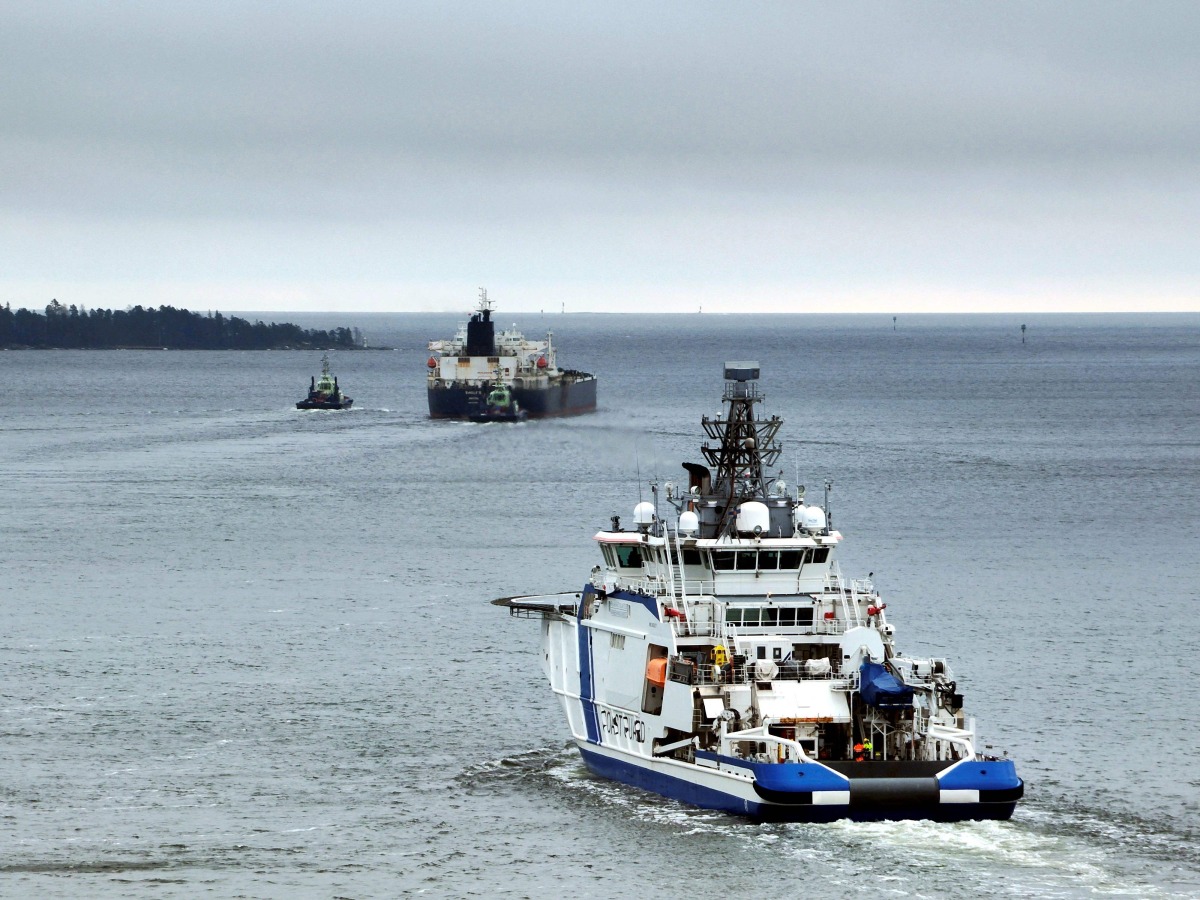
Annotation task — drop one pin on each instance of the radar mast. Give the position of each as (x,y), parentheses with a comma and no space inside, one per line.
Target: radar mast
(746,447)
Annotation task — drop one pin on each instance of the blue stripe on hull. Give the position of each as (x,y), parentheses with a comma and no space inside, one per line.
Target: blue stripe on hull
(708,798)
(587,690)
(667,785)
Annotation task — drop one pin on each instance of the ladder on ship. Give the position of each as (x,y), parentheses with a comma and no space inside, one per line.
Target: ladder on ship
(677,586)
(675,579)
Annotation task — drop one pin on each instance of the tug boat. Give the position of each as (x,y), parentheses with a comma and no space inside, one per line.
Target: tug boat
(323,392)
(500,406)
(719,657)
(464,371)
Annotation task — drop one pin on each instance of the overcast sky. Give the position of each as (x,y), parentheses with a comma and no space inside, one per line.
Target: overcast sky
(806,157)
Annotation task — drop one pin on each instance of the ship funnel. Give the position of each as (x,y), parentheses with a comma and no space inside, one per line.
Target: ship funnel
(481,330)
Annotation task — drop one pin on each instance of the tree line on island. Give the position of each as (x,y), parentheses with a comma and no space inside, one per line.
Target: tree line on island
(71,327)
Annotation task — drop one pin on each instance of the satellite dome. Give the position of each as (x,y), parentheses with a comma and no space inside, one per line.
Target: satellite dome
(643,513)
(753,518)
(813,518)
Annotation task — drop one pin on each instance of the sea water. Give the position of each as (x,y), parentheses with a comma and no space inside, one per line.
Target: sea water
(248,651)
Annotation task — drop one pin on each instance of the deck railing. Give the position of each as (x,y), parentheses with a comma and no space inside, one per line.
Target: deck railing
(687,671)
(690,628)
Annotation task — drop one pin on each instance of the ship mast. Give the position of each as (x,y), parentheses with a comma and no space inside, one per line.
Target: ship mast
(747,446)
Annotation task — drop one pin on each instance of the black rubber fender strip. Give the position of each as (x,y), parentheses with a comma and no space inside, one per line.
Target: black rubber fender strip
(1003,795)
(894,791)
(792,798)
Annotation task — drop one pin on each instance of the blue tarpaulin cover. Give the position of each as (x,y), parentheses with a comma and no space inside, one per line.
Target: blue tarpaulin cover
(880,688)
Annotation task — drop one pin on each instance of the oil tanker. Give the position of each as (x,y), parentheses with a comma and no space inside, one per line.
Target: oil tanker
(464,371)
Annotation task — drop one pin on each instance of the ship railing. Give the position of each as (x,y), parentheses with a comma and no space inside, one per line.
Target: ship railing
(691,628)
(654,586)
(717,629)
(687,670)
(821,626)
(759,745)
(920,720)
(830,626)
(864,586)
(741,390)
(847,681)
(959,737)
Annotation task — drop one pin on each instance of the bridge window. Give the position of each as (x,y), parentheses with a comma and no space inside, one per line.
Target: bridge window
(742,616)
(629,557)
(769,617)
(722,560)
(747,560)
(790,559)
(768,559)
(820,555)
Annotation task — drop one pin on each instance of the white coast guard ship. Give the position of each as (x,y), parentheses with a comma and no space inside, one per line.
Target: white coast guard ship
(718,657)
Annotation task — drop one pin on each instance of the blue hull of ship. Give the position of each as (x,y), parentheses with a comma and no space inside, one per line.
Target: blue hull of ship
(879,808)
(564,399)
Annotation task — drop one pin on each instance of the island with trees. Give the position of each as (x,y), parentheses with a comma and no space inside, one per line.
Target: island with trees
(165,328)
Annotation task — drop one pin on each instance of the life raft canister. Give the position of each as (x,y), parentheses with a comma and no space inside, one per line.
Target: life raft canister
(432,363)
(720,656)
(656,671)
(541,363)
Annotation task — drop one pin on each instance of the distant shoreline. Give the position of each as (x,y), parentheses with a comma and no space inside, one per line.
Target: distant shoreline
(20,348)
(166,328)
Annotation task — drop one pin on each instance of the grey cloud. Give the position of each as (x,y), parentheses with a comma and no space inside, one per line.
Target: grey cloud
(483,81)
(585,134)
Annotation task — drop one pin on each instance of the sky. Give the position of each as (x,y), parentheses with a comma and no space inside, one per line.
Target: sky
(665,157)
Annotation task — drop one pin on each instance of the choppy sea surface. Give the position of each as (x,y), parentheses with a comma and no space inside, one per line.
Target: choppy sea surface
(248,651)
